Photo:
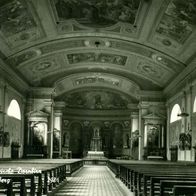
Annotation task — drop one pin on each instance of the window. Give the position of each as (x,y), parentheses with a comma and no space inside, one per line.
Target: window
(14,109)
(194,105)
(174,113)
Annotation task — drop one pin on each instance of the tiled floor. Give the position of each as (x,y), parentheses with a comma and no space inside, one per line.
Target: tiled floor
(94,181)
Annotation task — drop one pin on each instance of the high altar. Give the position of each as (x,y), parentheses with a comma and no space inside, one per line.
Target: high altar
(96,142)
(96,145)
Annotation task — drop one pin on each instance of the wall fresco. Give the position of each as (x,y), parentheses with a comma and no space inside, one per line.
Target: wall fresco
(179,20)
(96,100)
(97,13)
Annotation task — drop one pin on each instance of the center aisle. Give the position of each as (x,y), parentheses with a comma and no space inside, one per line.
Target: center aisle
(94,181)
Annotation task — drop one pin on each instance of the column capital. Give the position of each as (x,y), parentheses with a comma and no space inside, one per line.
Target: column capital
(134,115)
(42,92)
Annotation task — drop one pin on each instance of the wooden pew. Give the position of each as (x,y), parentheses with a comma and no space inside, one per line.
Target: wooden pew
(169,184)
(140,173)
(6,188)
(185,190)
(50,169)
(17,183)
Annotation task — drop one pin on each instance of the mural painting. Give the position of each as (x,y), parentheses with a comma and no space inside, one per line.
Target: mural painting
(96,100)
(99,58)
(97,13)
(39,133)
(179,20)
(153,136)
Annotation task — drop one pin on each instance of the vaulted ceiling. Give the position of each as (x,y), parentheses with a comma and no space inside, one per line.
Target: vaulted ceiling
(131,46)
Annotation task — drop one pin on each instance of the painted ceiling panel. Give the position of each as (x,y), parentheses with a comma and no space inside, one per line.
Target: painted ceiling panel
(17,24)
(97,13)
(179,20)
(120,37)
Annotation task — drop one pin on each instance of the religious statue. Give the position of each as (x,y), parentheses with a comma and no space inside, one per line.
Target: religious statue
(96,142)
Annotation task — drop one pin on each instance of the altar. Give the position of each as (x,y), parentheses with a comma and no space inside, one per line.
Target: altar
(95,155)
(96,142)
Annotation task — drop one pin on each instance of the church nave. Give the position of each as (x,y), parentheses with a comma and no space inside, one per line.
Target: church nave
(93,180)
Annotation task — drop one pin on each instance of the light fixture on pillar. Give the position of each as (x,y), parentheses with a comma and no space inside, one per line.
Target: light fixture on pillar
(97,44)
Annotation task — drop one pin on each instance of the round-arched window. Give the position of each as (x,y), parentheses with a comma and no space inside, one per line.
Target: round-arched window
(174,113)
(14,110)
(194,105)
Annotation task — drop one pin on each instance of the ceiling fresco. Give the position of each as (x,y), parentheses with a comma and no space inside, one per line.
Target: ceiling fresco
(179,20)
(97,79)
(96,57)
(17,24)
(97,13)
(145,42)
(96,100)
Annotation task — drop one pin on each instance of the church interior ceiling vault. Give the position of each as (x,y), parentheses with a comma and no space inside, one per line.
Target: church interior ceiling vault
(128,46)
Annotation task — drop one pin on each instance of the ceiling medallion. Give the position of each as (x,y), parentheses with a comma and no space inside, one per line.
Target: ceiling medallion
(24,36)
(148,70)
(166,42)
(44,65)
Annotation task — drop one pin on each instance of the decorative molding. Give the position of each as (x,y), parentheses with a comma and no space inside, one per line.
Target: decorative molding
(13,78)
(41,91)
(189,73)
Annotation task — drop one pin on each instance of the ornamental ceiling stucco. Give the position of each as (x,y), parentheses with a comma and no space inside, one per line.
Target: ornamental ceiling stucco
(147,42)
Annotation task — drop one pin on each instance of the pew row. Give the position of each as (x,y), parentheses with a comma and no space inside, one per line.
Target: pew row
(35,177)
(144,177)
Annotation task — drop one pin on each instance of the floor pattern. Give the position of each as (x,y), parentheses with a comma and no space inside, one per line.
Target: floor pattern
(94,181)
